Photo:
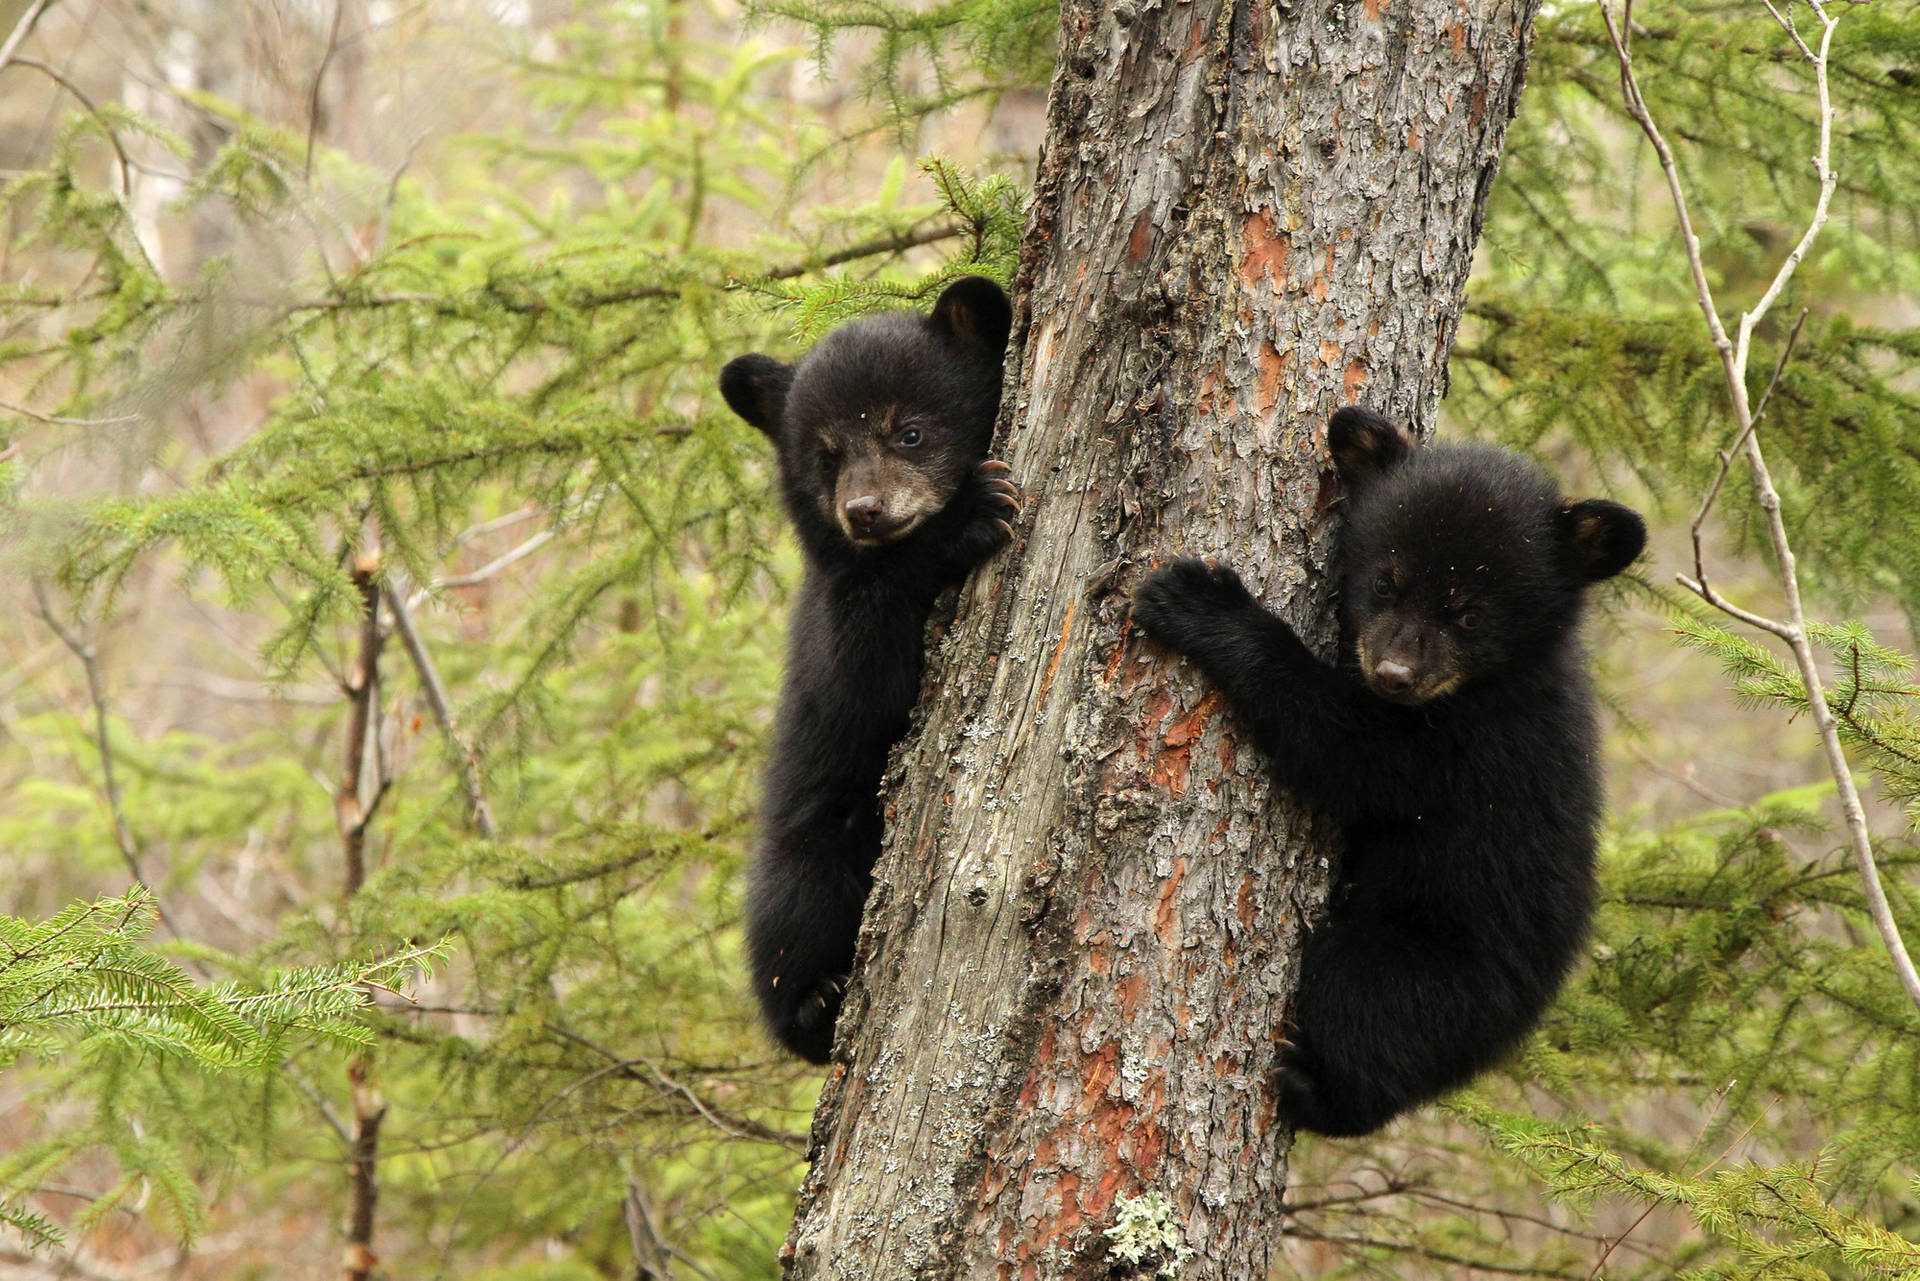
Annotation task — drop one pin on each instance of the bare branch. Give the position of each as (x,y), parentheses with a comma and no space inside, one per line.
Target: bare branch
(1822,167)
(1780,367)
(1733,356)
(1787,25)
(1726,455)
(351,814)
(319,78)
(83,649)
(1637,108)
(22,29)
(369,1110)
(466,763)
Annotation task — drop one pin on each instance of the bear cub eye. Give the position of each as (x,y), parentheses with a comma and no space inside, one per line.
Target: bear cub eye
(910,437)
(1383,586)
(1468,619)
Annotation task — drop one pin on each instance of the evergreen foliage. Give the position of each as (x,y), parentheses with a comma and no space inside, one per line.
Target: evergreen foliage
(104,1016)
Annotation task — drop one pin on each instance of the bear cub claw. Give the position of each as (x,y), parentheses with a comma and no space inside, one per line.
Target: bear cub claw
(814,1017)
(996,502)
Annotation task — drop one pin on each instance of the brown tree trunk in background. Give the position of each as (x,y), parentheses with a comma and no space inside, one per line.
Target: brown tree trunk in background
(1076,967)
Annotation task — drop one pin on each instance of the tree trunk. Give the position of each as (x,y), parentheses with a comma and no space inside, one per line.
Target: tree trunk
(1077,961)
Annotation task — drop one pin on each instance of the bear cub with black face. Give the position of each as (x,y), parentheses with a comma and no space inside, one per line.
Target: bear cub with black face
(1456,742)
(881,433)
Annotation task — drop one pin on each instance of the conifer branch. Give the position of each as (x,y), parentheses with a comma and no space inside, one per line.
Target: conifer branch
(899,242)
(1733,355)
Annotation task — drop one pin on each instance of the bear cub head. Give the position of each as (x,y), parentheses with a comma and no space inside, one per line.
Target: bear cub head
(881,424)
(1461,562)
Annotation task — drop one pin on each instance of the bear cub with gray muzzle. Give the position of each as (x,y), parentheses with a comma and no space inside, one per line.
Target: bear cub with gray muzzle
(1455,741)
(881,433)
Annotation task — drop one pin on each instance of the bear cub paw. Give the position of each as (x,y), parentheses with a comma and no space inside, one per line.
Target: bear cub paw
(1298,1091)
(813,1019)
(1184,601)
(996,503)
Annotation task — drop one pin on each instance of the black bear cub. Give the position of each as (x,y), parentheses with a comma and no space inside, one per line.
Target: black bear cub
(1456,742)
(881,432)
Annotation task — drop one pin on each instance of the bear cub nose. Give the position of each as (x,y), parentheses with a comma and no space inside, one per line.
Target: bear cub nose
(1394,678)
(863,514)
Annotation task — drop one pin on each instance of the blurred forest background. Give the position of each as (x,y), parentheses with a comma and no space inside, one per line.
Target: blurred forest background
(320,311)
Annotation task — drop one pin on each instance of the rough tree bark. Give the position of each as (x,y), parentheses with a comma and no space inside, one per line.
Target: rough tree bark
(1076,966)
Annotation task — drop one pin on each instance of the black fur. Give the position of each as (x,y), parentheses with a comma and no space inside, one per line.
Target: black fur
(881,432)
(1461,755)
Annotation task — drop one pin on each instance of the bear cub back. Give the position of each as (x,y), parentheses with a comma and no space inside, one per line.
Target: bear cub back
(880,433)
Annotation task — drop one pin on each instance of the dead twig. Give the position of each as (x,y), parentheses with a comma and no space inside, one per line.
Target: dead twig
(652,1256)
(126,162)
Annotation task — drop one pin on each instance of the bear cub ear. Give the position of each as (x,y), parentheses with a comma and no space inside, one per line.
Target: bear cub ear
(755,388)
(1364,445)
(1605,537)
(975,312)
